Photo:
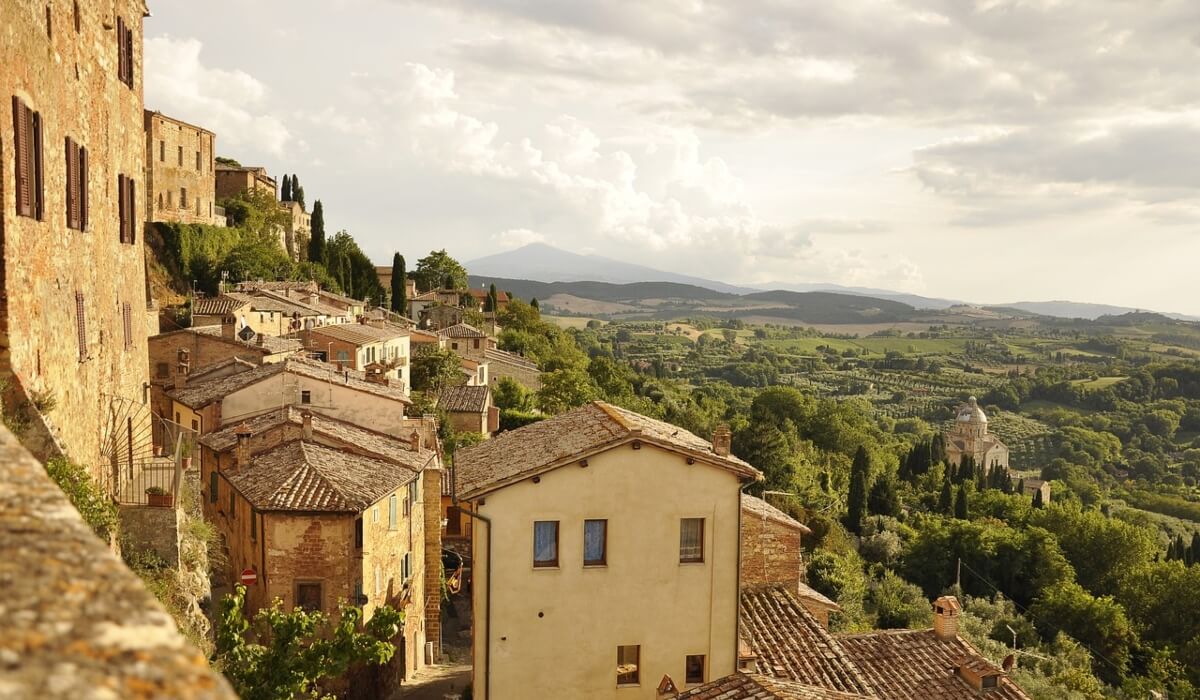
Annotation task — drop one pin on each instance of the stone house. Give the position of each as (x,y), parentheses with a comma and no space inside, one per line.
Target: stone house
(438,316)
(385,348)
(1032,487)
(339,307)
(72,271)
(232,180)
(296,230)
(355,532)
(475,373)
(257,313)
(466,340)
(349,395)
(469,409)
(180,185)
(502,363)
(435,297)
(572,532)
(970,436)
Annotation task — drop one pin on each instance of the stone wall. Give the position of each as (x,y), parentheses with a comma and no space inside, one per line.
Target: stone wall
(431,486)
(180,184)
(151,529)
(74,622)
(65,68)
(528,377)
(771,552)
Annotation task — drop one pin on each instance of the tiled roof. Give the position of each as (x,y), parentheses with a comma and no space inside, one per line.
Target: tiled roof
(271,345)
(361,333)
(305,476)
(218,305)
(807,593)
(239,364)
(746,686)
(254,285)
(205,392)
(791,644)
(917,665)
(481,294)
(279,301)
(754,506)
(504,357)
(419,336)
(461,330)
(464,399)
(392,449)
(547,444)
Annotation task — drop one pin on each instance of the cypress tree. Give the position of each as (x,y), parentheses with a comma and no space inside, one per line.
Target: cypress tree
(946,499)
(883,499)
(856,500)
(492,299)
(285,189)
(297,192)
(960,503)
(1037,499)
(534,303)
(316,240)
(399,278)
(937,449)
(1021,487)
(1195,549)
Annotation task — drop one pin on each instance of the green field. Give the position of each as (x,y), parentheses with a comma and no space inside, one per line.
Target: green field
(1098,382)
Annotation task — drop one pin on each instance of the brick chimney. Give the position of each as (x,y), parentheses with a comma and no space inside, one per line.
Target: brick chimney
(306,422)
(259,340)
(229,327)
(722,440)
(945,617)
(243,445)
(181,373)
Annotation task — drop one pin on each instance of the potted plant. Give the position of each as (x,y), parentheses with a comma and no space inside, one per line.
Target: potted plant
(158,497)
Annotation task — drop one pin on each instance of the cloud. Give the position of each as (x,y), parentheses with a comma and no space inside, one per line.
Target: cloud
(233,104)
(516,237)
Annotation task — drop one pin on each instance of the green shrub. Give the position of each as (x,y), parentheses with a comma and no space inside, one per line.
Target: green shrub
(97,509)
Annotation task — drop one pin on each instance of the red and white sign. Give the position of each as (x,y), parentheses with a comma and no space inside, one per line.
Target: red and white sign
(249,577)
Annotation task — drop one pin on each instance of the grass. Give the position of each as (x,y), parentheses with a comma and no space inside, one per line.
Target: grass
(1098,382)
(579,322)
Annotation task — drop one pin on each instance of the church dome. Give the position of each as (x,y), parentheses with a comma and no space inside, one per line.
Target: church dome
(970,412)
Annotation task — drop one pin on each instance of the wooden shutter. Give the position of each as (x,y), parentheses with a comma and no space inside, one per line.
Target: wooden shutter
(121,49)
(129,56)
(121,206)
(21,136)
(127,317)
(39,203)
(72,158)
(131,209)
(83,188)
(80,326)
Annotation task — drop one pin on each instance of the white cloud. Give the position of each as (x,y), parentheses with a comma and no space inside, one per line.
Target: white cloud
(233,104)
(516,237)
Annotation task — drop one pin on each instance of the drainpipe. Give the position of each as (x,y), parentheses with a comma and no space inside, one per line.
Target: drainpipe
(487,640)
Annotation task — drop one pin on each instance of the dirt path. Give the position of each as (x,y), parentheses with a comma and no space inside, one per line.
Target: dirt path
(436,683)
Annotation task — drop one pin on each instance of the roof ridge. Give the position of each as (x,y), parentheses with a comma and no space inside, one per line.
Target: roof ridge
(611,412)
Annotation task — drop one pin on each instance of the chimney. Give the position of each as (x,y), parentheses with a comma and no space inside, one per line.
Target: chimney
(243,445)
(306,422)
(313,298)
(259,340)
(945,617)
(229,327)
(722,440)
(415,440)
(181,372)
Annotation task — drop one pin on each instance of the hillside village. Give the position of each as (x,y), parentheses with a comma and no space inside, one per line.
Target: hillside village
(242,458)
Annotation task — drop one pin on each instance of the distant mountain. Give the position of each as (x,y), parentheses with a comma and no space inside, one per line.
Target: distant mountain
(538,261)
(1091,312)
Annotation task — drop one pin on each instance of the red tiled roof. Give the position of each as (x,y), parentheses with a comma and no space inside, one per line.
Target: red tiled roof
(461,330)
(745,686)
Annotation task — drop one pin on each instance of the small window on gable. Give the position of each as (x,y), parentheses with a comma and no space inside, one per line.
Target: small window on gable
(392,512)
(181,156)
(198,165)
(162,151)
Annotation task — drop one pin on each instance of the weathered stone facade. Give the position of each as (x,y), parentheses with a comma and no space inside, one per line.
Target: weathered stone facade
(771,552)
(296,232)
(233,180)
(180,184)
(74,296)
(152,529)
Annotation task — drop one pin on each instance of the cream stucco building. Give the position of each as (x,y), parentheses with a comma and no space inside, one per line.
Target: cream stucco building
(605,556)
(970,436)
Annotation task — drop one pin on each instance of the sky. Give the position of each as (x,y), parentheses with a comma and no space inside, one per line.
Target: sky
(988,150)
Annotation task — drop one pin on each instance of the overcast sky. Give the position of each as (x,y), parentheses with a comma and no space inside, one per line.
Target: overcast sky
(995,150)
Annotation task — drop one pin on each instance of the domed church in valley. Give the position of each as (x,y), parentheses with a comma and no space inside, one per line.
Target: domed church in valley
(970,436)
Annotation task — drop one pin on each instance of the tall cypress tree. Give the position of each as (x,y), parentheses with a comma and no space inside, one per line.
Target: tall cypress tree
(399,281)
(1037,499)
(960,503)
(946,499)
(856,500)
(490,304)
(937,449)
(285,189)
(297,191)
(534,303)
(316,239)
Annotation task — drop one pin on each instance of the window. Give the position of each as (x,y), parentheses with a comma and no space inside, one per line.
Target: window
(213,486)
(308,595)
(375,514)
(545,543)
(477,343)
(77,177)
(183,198)
(78,21)
(453,346)
(595,542)
(181,156)
(253,525)
(81,326)
(453,521)
(127,204)
(392,512)
(694,669)
(305,396)
(406,571)
(124,52)
(628,658)
(358,533)
(197,160)
(343,356)
(195,425)
(163,370)
(49,26)
(691,540)
(127,322)
(160,201)
(162,151)
(27,130)
(990,681)
(378,580)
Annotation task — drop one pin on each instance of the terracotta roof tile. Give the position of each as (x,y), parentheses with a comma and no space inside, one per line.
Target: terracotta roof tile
(218,305)
(549,443)
(360,333)
(204,392)
(791,644)
(504,357)
(754,506)
(305,476)
(461,330)
(745,686)
(465,399)
(271,344)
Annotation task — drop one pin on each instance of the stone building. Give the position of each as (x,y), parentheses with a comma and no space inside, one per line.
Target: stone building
(180,185)
(609,529)
(72,274)
(469,409)
(502,363)
(232,180)
(970,436)
(325,511)
(297,228)
(383,348)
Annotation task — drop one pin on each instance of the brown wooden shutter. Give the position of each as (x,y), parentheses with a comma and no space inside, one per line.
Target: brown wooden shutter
(131,209)
(121,49)
(121,205)
(129,56)
(83,188)
(24,181)
(39,197)
(80,326)
(72,158)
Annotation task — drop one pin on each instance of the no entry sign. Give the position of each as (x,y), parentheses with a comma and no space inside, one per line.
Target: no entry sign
(249,577)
